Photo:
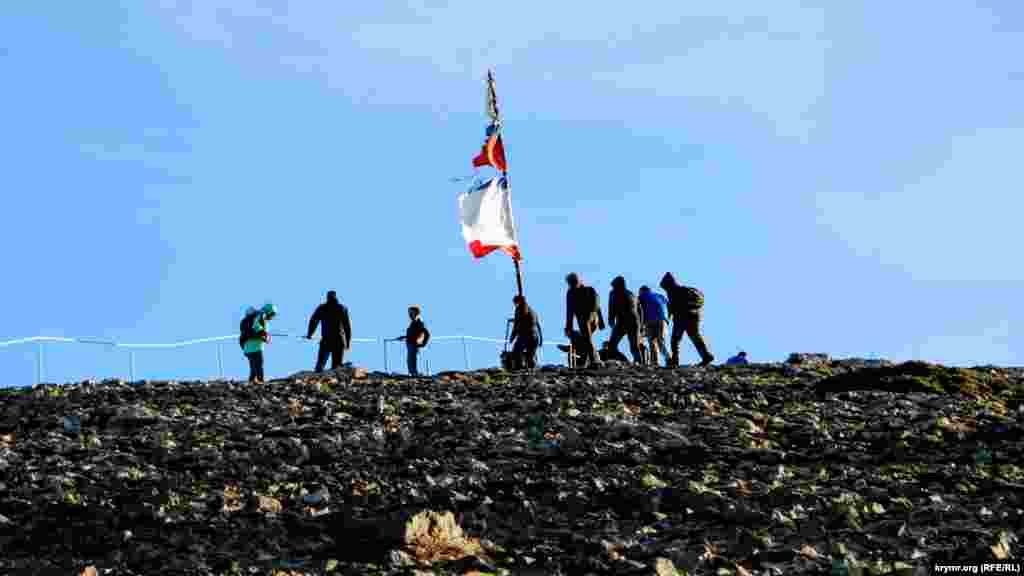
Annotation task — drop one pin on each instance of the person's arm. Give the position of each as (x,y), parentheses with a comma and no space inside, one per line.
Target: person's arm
(426,336)
(600,318)
(540,333)
(347,325)
(313,321)
(568,312)
(611,309)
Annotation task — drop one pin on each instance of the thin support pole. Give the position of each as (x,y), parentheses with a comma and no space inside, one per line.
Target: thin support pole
(465,352)
(387,366)
(220,360)
(39,364)
(131,366)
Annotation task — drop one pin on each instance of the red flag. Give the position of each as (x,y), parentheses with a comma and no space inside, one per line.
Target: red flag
(492,154)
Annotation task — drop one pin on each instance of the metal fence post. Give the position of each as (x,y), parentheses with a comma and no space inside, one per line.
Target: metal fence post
(387,367)
(131,366)
(39,363)
(465,352)
(220,360)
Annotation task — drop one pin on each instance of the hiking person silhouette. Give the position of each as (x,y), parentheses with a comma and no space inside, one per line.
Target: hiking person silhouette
(686,306)
(254,336)
(335,332)
(416,337)
(624,318)
(583,304)
(526,335)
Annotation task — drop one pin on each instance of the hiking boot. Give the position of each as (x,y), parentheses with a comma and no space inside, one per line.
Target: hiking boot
(707,361)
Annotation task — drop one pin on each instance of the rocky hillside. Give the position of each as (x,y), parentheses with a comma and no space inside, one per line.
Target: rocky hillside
(810,467)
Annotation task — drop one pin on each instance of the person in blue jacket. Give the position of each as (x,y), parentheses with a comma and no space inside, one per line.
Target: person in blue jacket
(738,359)
(655,313)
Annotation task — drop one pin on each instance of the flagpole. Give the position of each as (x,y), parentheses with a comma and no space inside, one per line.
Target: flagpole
(519,271)
(492,111)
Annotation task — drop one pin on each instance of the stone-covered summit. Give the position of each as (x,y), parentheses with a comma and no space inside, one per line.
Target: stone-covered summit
(760,469)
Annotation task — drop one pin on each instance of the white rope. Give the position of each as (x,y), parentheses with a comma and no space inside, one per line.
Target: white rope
(58,339)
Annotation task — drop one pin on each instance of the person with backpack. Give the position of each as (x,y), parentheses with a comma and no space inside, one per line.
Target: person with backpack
(254,335)
(526,335)
(624,318)
(686,306)
(335,332)
(654,308)
(416,336)
(583,304)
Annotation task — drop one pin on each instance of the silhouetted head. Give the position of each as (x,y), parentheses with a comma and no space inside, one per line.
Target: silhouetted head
(619,283)
(645,289)
(667,281)
(742,354)
(414,312)
(519,301)
(572,280)
(332,296)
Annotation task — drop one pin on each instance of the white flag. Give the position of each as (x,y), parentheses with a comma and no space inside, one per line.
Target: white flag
(486,213)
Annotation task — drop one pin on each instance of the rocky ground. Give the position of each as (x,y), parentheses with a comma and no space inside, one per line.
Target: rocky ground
(814,466)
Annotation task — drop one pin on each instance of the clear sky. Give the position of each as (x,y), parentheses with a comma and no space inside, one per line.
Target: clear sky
(836,177)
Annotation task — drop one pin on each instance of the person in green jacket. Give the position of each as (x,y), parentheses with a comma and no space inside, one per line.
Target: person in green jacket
(258,336)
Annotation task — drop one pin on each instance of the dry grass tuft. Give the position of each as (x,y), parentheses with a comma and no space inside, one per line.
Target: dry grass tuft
(431,536)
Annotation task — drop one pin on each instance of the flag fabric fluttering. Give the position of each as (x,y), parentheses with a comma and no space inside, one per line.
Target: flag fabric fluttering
(493,153)
(486,213)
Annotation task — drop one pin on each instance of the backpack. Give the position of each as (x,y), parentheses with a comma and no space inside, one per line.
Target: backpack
(594,299)
(245,329)
(693,297)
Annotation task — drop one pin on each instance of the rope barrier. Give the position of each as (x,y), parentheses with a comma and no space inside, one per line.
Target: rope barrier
(183,343)
(130,348)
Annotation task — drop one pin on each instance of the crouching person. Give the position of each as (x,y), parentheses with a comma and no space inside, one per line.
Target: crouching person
(526,335)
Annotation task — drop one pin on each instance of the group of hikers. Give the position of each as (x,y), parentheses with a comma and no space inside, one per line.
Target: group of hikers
(642,319)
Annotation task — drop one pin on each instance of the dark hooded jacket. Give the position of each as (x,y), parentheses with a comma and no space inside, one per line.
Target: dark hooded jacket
(416,330)
(683,301)
(622,306)
(582,302)
(333,319)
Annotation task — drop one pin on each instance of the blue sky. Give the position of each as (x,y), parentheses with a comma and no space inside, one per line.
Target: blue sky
(835,178)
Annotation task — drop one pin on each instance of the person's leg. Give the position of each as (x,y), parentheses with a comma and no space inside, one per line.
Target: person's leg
(411,356)
(617,333)
(652,341)
(258,356)
(519,354)
(531,355)
(587,338)
(662,331)
(341,349)
(678,328)
(321,355)
(252,367)
(633,333)
(693,330)
(337,352)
